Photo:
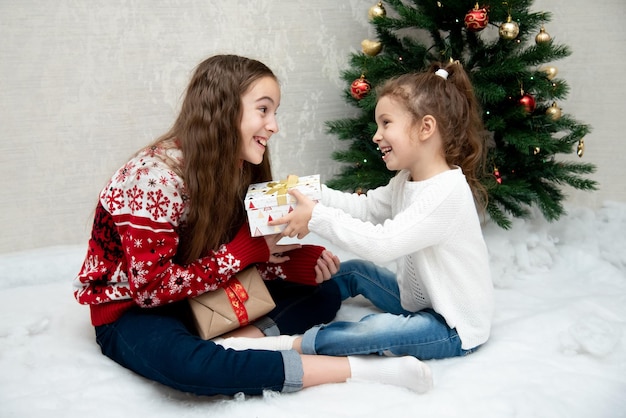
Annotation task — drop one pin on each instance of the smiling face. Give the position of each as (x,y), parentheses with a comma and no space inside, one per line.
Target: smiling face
(258,121)
(407,144)
(393,135)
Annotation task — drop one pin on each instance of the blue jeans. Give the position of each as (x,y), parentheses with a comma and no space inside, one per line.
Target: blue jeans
(161,344)
(395,332)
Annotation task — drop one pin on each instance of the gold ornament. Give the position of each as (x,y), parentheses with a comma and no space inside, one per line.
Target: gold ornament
(543,36)
(554,112)
(371,48)
(536,151)
(377,11)
(551,72)
(581,148)
(509,29)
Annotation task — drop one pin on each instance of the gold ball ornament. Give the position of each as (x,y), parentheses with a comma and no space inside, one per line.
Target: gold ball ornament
(377,11)
(371,48)
(543,36)
(554,112)
(509,29)
(551,72)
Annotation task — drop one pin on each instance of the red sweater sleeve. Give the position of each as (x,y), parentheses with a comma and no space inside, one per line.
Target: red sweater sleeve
(300,268)
(155,278)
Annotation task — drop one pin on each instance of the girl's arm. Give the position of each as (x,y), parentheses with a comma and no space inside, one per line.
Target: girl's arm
(156,278)
(427,220)
(373,207)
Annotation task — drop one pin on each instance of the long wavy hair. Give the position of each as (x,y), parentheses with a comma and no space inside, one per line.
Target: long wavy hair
(453,104)
(208,132)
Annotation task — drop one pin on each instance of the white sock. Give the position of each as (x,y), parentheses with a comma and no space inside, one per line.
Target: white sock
(406,371)
(276,343)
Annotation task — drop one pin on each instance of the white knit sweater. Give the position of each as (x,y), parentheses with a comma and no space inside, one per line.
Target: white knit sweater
(431,230)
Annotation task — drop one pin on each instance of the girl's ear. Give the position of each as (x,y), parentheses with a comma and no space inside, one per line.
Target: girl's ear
(427,127)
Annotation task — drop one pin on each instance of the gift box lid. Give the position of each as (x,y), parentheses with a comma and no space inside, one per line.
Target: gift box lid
(274,193)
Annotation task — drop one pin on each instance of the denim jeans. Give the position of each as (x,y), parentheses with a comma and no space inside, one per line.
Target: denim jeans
(161,344)
(395,332)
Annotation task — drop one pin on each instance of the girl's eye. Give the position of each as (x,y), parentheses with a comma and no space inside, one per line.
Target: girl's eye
(263,109)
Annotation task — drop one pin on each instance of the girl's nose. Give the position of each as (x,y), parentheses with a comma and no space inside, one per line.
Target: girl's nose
(272,126)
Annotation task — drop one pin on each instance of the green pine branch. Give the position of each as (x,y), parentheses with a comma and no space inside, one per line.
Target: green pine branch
(524,147)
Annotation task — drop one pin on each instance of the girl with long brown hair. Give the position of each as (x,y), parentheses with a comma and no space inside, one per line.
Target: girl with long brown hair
(170,225)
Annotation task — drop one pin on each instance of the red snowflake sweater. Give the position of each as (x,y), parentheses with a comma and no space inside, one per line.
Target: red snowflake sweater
(130,257)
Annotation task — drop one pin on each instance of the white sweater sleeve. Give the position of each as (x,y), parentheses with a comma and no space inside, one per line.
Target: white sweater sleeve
(375,206)
(365,226)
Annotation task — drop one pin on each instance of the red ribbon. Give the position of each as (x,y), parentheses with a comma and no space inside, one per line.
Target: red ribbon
(237,295)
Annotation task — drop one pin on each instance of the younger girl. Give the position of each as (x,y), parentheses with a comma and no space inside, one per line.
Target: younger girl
(170,225)
(438,303)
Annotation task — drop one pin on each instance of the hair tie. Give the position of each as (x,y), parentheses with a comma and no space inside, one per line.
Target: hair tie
(442,73)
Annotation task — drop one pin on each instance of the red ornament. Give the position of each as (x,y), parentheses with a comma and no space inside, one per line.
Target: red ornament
(476,19)
(360,87)
(496,174)
(528,102)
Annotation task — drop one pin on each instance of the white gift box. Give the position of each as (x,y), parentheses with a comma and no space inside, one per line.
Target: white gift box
(269,201)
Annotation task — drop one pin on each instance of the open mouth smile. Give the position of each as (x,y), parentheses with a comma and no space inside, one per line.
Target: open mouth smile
(261,141)
(385,151)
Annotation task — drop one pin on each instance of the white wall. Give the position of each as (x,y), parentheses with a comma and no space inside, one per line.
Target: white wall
(86,83)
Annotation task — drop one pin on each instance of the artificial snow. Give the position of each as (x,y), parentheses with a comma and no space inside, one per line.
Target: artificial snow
(557,346)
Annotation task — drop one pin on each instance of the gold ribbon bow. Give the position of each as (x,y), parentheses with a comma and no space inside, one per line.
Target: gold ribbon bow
(281,188)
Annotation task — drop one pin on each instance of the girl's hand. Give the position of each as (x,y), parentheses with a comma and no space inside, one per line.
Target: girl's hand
(298,220)
(276,250)
(327,265)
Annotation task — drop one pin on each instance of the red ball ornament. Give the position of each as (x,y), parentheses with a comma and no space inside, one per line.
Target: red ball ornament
(360,87)
(528,102)
(476,19)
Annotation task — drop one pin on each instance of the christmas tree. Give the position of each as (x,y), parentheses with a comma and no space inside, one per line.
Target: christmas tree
(509,56)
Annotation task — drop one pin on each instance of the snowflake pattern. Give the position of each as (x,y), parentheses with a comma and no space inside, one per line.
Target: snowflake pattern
(152,151)
(228,264)
(135,198)
(137,271)
(272,272)
(148,300)
(115,199)
(180,281)
(177,212)
(142,171)
(122,174)
(157,204)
